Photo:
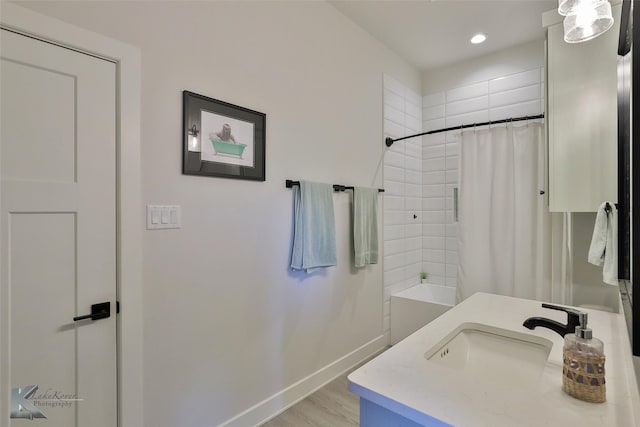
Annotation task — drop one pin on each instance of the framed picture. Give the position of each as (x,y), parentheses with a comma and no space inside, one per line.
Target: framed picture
(222,139)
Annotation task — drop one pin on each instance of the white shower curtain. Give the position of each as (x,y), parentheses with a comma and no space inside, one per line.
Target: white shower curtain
(505,243)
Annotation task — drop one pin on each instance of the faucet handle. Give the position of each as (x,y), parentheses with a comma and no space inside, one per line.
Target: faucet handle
(565,309)
(574,317)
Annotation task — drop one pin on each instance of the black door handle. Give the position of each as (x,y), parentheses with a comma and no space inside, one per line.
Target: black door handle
(98,311)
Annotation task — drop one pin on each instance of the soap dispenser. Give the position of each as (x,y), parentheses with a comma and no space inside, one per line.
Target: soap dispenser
(583,360)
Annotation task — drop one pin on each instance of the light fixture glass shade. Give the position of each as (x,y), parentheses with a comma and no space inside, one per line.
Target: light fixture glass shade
(587,23)
(566,7)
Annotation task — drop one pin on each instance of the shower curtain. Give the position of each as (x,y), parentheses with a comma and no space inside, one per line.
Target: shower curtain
(505,243)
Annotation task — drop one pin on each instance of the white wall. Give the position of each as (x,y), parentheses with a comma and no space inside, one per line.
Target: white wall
(506,84)
(403,185)
(226,324)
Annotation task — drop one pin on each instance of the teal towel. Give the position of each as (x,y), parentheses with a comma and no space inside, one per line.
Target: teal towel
(365,226)
(314,229)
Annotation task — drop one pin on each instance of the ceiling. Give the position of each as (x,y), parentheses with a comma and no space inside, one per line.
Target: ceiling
(431,34)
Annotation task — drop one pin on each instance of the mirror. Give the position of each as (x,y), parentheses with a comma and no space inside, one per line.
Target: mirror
(626,118)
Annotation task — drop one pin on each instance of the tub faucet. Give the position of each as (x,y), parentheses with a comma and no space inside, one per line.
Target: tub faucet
(574,318)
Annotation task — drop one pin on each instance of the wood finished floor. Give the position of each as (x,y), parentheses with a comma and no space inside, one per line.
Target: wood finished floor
(331,406)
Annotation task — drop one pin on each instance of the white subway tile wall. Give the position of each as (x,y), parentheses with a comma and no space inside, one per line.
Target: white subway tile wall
(404,193)
(514,95)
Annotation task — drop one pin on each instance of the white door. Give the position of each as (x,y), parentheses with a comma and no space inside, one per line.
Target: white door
(58,234)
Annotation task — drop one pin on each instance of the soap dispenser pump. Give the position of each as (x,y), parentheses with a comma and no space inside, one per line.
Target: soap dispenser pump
(583,364)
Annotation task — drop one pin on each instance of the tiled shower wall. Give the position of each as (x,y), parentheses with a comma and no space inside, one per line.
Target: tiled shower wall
(403,191)
(514,95)
(420,233)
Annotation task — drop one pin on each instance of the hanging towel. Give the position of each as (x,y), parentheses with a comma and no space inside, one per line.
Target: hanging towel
(365,226)
(604,243)
(314,230)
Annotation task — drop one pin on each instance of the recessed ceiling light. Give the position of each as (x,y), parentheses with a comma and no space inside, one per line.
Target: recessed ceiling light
(478,38)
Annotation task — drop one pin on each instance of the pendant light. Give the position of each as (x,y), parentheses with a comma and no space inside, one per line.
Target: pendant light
(587,20)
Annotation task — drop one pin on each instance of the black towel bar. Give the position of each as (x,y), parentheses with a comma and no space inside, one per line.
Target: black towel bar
(336,187)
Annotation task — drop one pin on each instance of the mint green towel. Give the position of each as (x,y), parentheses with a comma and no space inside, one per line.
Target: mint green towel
(314,230)
(365,226)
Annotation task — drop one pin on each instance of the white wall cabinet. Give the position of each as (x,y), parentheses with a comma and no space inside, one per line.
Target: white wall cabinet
(582,118)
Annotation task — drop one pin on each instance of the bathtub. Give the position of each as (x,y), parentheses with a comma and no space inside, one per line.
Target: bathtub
(228,148)
(416,306)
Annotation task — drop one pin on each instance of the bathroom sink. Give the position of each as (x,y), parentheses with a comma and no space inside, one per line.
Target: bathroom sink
(486,353)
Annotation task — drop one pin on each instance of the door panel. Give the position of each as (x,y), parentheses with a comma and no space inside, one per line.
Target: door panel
(41,249)
(58,219)
(46,151)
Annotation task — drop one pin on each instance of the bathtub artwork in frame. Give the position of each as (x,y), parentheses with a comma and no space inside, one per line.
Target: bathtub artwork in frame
(221,139)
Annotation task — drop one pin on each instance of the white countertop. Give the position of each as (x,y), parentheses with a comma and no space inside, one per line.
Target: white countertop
(403,381)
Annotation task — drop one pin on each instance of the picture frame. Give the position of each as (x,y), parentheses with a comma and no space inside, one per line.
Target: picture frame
(220,139)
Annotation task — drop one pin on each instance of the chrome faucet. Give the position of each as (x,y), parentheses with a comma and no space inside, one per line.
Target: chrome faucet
(574,318)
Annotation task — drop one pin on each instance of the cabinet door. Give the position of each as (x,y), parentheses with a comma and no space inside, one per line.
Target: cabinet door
(583,120)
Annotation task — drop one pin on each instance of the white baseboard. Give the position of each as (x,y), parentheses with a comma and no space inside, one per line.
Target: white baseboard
(272,406)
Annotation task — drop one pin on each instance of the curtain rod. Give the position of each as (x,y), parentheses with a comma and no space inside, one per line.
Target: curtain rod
(389,141)
(336,187)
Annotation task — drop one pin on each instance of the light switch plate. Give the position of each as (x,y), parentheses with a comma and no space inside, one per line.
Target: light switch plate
(163,216)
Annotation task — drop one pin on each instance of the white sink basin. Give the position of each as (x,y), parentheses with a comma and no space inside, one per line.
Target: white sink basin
(486,353)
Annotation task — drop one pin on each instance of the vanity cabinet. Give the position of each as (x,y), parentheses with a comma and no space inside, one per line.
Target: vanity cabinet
(582,117)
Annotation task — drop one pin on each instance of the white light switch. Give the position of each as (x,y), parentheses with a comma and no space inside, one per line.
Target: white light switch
(163,216)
